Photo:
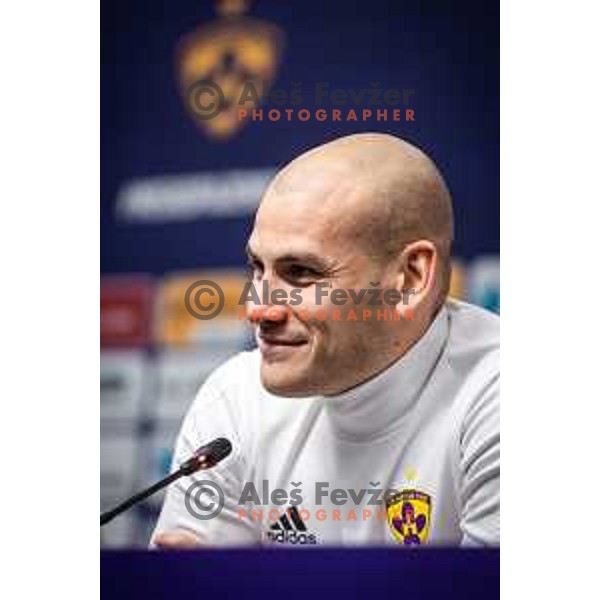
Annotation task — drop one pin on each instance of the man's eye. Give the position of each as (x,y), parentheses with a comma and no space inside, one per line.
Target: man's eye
(302,272)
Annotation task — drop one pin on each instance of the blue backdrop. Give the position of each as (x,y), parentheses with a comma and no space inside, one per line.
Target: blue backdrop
(448,53)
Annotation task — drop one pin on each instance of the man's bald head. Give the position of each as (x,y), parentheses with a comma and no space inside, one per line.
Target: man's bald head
(364,211)
(376,188)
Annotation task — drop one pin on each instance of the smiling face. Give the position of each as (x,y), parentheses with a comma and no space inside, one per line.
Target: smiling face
(301,354)
(325,223)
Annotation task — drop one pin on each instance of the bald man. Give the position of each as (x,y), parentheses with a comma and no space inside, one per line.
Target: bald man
(363,417)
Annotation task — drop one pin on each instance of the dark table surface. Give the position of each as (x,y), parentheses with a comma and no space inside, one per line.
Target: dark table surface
(302,573)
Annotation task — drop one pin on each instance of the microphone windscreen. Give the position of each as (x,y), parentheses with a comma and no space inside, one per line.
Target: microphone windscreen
(218,449)
(207,456)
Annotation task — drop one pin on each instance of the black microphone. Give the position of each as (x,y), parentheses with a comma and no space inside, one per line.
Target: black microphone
(204,458)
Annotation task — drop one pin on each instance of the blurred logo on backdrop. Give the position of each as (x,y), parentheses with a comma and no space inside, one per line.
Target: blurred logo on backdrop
(484,283)
(457,281)
(126,303)
(218,61)
(178,326)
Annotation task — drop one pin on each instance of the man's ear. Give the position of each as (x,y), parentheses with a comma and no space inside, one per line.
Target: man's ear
(419,266)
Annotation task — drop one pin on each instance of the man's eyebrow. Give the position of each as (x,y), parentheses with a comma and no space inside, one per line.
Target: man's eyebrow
(303,257)
(290,257)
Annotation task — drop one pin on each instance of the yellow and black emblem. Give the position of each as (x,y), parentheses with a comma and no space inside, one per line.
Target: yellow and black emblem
(226,65)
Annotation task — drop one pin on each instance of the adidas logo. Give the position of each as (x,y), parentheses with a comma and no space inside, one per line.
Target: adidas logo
(290,529)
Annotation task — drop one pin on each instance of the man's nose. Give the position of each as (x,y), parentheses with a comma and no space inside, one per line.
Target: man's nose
(267,314)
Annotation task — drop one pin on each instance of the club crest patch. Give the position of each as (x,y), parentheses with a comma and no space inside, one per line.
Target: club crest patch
(409,515)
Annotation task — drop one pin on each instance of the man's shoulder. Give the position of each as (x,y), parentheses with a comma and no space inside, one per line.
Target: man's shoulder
(228,398)
(473,352)
(234,390)
(474,332)
(238,377)
(241,367)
